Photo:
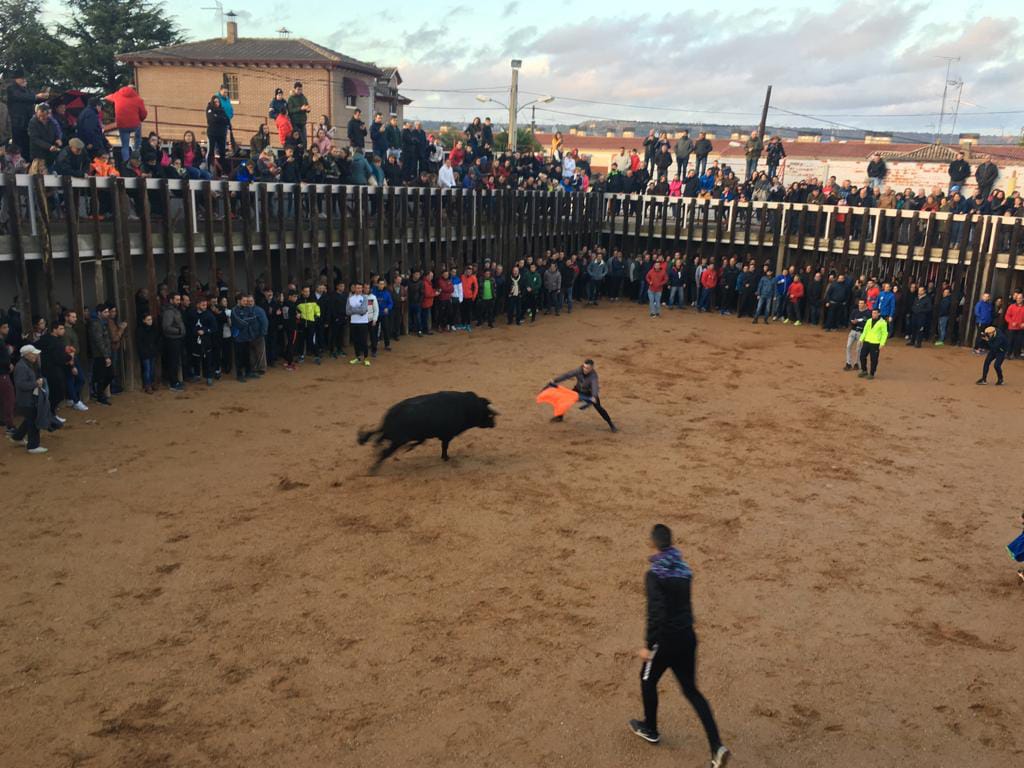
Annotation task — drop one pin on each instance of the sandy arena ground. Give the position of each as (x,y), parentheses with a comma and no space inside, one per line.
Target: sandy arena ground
(212,579)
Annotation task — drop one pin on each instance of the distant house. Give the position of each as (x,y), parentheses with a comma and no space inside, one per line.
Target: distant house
(177,82)
(390,102)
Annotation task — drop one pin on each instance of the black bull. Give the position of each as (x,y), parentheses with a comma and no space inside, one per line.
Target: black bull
(441,415)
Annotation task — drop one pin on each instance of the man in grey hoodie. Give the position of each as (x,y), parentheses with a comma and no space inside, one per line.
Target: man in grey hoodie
(172,326)
(684,147)
(597,270)
(552,280)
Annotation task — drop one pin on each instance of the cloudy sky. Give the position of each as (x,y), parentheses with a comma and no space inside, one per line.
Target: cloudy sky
(871,65)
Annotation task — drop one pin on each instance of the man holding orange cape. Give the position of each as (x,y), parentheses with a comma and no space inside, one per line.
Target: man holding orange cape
(585,389)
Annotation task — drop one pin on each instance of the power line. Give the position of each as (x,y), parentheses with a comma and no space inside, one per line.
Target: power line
(641,106)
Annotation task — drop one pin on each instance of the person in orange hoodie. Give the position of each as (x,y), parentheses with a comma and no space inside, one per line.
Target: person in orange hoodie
(470,290)
(426,304)
(795,294)
(708,283)
(129,114)
(657,279)
(1015,324)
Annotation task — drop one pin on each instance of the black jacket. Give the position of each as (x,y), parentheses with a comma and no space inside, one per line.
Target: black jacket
(21,103)
(669,613)
(702,148)
(147,339)
(216,121)
(70,164)
(41,136)
(877,169)
(959,170)
(987,173)
(356,132)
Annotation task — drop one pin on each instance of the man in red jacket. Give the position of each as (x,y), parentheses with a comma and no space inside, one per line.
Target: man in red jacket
(796,292)
(129,114)
(470,291)
(657,279)
(708,283)
(1015,324)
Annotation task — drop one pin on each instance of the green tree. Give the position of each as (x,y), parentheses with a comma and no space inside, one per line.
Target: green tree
(525,141)
(26,43)
(98,30)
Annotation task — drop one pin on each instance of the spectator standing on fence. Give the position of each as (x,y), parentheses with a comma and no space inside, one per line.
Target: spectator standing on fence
(356,130)
(299,109)
(278,112)
(774,153)
(986,176)
(216,133)
(225,103)
(129,114)
(21,103)
(877,171)
(959,172)
(684,148)
(752,150)
(44,142)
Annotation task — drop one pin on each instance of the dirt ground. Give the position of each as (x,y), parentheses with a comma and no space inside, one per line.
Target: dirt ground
(213,579)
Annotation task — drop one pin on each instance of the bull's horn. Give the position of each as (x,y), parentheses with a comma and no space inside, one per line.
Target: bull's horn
(493,410)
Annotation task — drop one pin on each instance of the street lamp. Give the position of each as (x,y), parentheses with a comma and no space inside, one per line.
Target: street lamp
(511,135)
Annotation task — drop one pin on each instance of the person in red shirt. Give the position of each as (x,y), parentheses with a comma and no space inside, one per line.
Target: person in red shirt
(872,293)
(708,283)
(427,303)
(657,279)
(470,291)
(129,114)
(795,294)
(1015,324)
(445,289)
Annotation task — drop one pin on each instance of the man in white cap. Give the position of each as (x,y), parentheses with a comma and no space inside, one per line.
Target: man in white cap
(27,384)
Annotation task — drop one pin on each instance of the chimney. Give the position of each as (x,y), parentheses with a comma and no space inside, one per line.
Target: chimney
(232,35)
(878,138)
(808,138)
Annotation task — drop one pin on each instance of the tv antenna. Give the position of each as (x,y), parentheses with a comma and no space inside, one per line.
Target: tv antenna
(945,91)
(217,6)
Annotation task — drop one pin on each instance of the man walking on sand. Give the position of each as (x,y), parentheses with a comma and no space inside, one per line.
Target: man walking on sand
(671,643)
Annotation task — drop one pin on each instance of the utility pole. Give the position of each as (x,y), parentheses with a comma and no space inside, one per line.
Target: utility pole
(513,104)
(945,90)
(764,114)
(533,119)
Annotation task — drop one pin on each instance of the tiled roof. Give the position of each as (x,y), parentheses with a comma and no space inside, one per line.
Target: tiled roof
(929,153)
(263,50)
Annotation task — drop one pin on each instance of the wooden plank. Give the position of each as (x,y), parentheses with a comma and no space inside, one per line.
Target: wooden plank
(42,206)
(188,201)
(347,261)
(403,224)
(263,201)
(248,224)
(416,252)
(97,242)
(74,254)
(229,243)
(379,257)
(280,269)
(166,236)
(14,231)
(297,264)
(863,244)
(314,234)
(146,216)
(211,245)
(704,224)
(392,231)
(329,257)
(363,233)
(719,208)
(913,238)
(123,261)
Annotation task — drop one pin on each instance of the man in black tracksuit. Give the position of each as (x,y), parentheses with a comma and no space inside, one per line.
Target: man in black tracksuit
(587,387)
(671,643)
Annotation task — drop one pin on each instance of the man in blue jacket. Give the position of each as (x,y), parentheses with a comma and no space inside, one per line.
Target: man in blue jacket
(886,303)
(983,317)
(765,292)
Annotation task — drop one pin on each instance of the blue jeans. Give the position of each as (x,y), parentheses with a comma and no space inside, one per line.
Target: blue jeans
(592,286)
(751,167)
(875,182)
(75,382)
(126,134)
(654,300)
(198,174)
(763,307)
(147,371)
(943,325)
(705,299)
(424,320)
(568,301)
(675,296)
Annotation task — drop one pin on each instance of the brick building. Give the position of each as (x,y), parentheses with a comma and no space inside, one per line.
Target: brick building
(177,82)
(909,165)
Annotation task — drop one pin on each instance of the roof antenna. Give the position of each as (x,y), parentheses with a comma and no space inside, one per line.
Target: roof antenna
(218,6)
(284,32)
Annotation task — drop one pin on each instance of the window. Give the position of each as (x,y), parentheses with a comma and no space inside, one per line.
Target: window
(392,110)
(350,102)
(231,83)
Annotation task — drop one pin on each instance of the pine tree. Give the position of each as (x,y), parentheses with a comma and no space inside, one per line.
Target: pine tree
(98,30)
(26,43)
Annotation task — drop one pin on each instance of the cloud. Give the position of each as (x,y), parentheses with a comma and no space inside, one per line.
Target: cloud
(879,60)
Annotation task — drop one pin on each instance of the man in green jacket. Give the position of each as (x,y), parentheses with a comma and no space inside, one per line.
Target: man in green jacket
(876,332)
(532,283)
(298,110)
(752,149)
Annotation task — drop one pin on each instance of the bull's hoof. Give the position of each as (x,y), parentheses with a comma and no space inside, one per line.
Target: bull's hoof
(445,458)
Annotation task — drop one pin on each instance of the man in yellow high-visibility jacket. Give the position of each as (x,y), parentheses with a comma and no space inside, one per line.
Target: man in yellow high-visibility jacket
(309,321)
(876,333)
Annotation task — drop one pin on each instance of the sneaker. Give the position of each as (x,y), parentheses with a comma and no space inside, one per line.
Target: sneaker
(354,361)
(80,406)
(999,383)
(317,361)
(862,374)
(981,381)
(847,367)
(23,441)
(785,321)
(209,381)
(940,343)
(60,420)
(721,758)
(366,363)
(640,729)
(797,323)
(871,375)
(856,366)
(614,428)
(105,401)
(38,449)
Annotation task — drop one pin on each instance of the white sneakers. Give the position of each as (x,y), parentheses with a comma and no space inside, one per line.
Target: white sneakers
(40,449)
(60,419)
(721,758)
(80,406)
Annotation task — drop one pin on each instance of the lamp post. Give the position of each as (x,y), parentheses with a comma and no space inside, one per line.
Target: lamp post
(513,100)
(514,109)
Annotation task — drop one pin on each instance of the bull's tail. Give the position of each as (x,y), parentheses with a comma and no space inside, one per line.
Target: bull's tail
(364,436)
